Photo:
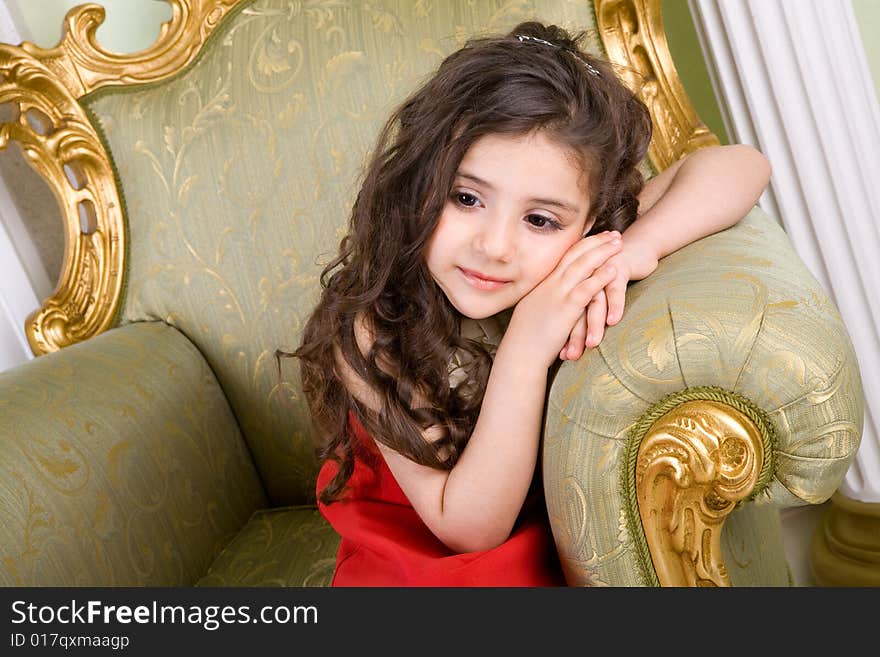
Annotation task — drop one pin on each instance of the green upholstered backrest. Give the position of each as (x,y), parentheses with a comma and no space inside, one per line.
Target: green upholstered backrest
(238,175)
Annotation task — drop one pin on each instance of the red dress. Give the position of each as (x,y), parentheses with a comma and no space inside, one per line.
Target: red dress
(385,542)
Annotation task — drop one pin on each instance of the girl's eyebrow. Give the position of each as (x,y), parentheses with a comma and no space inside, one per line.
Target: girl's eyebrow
(562,205)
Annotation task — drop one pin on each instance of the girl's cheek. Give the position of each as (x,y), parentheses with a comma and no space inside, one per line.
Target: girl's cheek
(536,274)
(549,261)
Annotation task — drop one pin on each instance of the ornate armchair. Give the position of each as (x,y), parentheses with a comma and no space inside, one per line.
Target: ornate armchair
(205,182)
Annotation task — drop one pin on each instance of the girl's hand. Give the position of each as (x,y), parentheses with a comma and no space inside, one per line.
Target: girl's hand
(544,318)
(635,261)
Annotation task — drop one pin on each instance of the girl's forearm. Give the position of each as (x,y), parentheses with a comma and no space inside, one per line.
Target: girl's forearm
(487,487)
(710,190)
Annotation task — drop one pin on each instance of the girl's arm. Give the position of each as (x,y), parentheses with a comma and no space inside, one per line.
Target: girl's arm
(475,505)
(703,193)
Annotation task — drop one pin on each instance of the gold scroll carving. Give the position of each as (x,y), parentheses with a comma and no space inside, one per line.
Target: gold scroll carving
(633,35)
(694,464)
(59,142)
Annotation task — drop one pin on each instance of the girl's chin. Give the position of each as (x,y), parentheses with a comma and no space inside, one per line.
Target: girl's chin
(479,311)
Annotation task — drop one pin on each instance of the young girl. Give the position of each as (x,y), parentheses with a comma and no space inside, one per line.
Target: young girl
(497,195)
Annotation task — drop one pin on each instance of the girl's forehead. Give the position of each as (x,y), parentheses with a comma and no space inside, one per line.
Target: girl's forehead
(536,150)
(536,144)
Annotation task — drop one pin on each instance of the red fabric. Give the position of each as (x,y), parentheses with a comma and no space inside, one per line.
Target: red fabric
(385,543)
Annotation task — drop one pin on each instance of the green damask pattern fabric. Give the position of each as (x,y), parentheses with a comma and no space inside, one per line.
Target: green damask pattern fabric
(239,174)
(292,546)
(737,310)
(122,464)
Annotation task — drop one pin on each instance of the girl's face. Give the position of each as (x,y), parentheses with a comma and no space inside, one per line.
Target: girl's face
(517,204)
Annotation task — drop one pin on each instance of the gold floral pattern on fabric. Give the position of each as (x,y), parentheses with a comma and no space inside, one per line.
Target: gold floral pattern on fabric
(157,480)
(291,546)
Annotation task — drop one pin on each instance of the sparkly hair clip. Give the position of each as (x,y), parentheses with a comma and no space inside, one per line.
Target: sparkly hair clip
(592,70)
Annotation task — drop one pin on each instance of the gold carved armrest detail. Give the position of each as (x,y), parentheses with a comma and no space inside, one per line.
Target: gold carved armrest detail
(634,38)
(59,142)
(694,464)
(39,89)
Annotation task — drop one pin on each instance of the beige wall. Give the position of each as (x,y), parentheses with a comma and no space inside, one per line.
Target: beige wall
(868,15)
(130,25)
(688,58)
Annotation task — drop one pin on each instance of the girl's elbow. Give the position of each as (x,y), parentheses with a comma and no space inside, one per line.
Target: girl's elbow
(762,165)
(764,171)
(756,162)
(479,541)
(480,544)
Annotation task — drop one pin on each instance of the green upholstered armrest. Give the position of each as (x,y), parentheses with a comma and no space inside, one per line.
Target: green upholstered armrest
(739,312)
(120,464)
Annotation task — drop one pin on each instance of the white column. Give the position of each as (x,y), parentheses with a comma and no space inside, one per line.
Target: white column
(17,297)
(12,28)
(23,277)
(793,80)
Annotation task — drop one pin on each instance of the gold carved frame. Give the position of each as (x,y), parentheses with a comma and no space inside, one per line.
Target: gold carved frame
(39,89)
(633,35)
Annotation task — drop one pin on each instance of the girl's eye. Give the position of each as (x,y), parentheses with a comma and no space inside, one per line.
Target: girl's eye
(540,221)
(465,199)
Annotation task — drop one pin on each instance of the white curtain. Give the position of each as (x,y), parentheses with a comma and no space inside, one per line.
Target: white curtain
(793,80)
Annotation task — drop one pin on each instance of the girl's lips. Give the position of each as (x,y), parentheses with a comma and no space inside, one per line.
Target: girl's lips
(475,279)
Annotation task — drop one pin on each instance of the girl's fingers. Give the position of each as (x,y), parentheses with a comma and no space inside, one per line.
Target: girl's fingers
(616,297)
(584,266)
(586,245)
(596,313)
(588,288)
(574,348)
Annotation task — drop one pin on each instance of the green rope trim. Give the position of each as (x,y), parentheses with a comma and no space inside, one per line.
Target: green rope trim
(87,103)
(123,208)
(646,421)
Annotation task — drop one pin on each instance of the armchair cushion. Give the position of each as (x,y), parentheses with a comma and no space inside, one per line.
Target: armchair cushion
(290,546)
(122,464)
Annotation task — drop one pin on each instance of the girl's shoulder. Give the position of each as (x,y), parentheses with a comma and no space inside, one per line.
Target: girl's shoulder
(348,377)
(359,388)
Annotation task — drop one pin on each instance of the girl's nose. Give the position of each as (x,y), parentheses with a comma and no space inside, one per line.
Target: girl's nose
(495,239)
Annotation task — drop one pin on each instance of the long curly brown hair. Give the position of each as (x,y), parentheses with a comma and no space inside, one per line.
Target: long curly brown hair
(497,85)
